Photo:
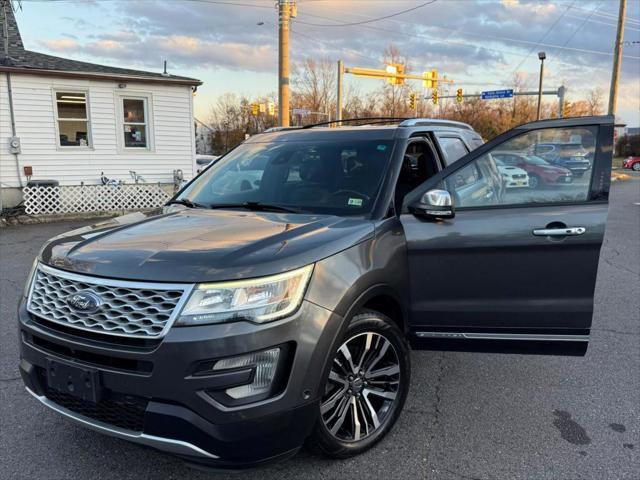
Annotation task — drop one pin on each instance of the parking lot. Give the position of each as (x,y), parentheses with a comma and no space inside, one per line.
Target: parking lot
(468,416)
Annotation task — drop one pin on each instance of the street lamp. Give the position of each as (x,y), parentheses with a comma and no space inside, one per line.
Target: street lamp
(541,56)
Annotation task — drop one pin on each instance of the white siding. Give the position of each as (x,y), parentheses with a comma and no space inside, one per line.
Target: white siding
(173,143)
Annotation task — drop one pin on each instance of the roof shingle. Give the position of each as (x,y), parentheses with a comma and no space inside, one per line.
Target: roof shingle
(14,56)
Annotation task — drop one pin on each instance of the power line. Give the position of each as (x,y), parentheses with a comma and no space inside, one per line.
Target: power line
(525,58)
(600,22)
(494,37)
(586,19)
(611,16)
(215,2)
(352,24)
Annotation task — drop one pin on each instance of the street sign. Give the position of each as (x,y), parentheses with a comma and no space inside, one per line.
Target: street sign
(301,111)
(494,94)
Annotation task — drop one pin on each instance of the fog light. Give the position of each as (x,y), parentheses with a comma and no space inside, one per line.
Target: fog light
(265,363)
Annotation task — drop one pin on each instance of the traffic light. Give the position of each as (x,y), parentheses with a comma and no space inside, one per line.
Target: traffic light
(412,101)
(430,79)
(392,71)
(434,96)
(459,95)
(255,108)
(399,71)
(566,109)
(271,108)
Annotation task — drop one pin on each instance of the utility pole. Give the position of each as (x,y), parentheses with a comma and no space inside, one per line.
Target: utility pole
(284,15)
(617,59)
(541,56)
(339,92)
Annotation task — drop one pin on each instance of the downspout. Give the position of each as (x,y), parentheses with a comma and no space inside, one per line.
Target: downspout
(13,126)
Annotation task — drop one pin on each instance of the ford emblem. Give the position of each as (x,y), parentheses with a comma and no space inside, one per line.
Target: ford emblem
(85,301)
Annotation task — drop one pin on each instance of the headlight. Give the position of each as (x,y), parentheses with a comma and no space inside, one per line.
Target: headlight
(256,300)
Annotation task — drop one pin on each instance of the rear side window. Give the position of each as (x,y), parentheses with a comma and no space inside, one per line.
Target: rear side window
(453,148)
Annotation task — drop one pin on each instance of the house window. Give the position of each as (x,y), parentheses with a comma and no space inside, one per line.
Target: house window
(135,122)
(72,118)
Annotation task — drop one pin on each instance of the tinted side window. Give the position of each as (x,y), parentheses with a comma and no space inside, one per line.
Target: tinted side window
(510,174)
(453,148)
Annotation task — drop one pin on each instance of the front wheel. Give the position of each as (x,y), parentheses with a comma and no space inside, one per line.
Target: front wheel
(534,181)
(365,389)
(636,167)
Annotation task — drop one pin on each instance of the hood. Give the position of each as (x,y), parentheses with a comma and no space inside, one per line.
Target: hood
(194,245)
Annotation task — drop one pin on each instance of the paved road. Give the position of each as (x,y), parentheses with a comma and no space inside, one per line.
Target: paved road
(469,416)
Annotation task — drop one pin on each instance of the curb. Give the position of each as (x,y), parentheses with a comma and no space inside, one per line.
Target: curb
(68,217)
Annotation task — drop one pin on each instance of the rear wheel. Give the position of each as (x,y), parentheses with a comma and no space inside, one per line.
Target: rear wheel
(636,167)
(366,387)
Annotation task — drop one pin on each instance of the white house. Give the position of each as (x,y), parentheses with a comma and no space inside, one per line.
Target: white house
(69,120)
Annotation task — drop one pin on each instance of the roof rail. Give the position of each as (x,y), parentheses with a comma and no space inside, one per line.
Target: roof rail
(425,122)
(364,119)
(280,129)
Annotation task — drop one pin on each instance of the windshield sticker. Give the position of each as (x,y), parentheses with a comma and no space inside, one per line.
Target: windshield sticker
(381,148)
(356,202)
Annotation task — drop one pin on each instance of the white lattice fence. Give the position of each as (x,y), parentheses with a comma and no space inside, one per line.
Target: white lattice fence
(92,198)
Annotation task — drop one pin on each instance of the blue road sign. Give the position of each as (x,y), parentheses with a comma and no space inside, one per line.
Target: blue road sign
(493,94)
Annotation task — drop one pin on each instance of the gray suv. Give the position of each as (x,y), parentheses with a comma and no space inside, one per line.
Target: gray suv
(274,300)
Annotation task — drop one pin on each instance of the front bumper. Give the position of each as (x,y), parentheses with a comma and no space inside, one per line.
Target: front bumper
(181,413)
(563,180)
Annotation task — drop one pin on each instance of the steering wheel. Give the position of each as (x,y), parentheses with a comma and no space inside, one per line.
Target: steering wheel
(352,193)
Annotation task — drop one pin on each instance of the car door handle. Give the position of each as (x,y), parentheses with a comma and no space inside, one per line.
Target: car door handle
(559,232)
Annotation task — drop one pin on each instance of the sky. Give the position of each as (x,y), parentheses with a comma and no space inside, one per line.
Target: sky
(231,45)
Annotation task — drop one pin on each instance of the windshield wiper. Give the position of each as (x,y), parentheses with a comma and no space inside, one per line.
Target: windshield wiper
(187,203)
(257,207)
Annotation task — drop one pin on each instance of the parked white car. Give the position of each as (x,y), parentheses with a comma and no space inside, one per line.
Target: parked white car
(513,177)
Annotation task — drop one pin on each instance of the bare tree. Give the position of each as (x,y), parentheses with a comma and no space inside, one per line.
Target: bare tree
(394,98)
(314,87)
(595,101)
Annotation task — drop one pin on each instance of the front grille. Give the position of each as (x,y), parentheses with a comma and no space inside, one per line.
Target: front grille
(126,413)
(518,176)
(128,309)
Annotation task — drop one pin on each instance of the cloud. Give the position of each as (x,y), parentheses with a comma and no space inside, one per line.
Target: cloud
(471,40)
(181,51)
(61,44)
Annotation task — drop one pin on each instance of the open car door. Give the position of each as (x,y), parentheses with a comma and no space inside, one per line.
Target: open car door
(515,269)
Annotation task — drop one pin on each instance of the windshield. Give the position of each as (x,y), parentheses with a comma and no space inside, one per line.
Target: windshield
(339,178)
(533,160)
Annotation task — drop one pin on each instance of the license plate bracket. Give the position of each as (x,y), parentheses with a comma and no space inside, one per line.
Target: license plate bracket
(82,383)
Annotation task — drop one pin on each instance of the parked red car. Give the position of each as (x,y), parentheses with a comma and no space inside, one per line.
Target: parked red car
(633,163)
(539,170)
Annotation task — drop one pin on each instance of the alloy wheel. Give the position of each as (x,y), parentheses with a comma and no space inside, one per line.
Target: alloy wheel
(636,167)
(362,388)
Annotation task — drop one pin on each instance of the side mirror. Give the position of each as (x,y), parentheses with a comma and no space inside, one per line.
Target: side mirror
(434,204)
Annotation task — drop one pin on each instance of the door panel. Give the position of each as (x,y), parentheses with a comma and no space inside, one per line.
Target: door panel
(495,273)
(485,276)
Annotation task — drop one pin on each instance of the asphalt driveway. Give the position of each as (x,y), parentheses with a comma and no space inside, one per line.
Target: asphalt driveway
(469,416)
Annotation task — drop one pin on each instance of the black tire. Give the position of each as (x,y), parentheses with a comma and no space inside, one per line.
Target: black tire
(534,181)
(636,167)
(366,328)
